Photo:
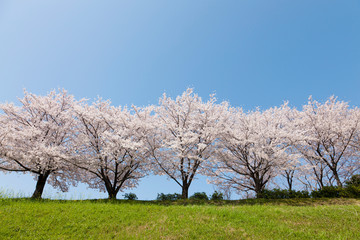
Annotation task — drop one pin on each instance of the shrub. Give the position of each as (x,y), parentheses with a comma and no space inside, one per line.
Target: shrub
(283,194)
(199,196)
(329,192)
(354,181)
(168,197)
(217,196)
(130,196)
(300,194)
(352,191)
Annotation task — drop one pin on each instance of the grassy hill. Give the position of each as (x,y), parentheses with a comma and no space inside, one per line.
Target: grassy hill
(244,219)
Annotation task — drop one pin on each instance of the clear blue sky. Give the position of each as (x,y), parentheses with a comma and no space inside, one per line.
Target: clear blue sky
(251,53)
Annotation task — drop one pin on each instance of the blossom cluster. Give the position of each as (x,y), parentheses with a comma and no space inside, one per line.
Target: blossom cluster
(62,141)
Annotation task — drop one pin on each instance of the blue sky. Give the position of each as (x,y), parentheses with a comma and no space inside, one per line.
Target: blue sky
(251,53)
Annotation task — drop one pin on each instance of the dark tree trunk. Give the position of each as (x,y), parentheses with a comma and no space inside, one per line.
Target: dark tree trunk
(40,184)
(289,178)
(319,176)
(259,187)
(258,192)
(336,175)
(112,195)
(290,184)
(111,189)
(185,191)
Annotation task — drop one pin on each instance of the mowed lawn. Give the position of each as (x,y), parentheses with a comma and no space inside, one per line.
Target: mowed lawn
(277,219)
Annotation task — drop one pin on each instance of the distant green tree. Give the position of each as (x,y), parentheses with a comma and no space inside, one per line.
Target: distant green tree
(354,180)
(217,196)
(130,196)
(199,196)
(168,197)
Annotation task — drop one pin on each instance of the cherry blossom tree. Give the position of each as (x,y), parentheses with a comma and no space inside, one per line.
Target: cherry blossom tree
(251,150)
(328,130)
(184,131)
(355,143)
(291,170)
(34,138)
(109,147)
(294,167)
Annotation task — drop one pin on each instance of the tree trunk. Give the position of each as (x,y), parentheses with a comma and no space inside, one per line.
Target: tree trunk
(110,188)
(338,182)
(259,187)
(111,191)
(258,193)
(40,184)
(289,179)
(319,177)
(185,191)
(112,195)
(290,185)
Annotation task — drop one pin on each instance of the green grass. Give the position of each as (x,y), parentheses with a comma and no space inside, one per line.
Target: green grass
(246,219)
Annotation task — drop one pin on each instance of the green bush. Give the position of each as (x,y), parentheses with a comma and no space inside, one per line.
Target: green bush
(283,194)
(199,196)
(328,192)
(352,191)
(168,197)
(354,181)
(130,196)
(217,196)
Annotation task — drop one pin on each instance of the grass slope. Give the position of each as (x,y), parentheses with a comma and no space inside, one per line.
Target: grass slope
(251,219)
